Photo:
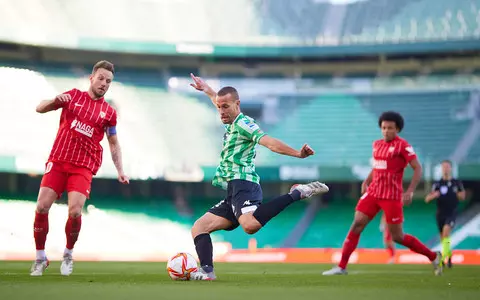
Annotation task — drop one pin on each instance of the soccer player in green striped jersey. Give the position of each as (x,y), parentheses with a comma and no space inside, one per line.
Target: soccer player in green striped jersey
(236,174)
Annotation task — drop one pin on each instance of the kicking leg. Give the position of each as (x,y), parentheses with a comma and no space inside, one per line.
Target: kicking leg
(272,208)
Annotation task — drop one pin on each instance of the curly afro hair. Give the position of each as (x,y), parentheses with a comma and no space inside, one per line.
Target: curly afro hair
(392,116)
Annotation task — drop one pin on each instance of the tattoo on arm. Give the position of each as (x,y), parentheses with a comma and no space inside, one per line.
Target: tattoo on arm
(117,156)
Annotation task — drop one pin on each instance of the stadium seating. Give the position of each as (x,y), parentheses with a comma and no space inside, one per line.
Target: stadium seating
(435,136)
(259,22)
(174,129)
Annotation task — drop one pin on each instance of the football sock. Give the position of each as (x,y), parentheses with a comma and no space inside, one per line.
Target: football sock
(72,230)
(267,211)
(391,250)
(446,250)
(349,245)
(415,245)
(204,247)
(40,230)
(67,252)
(40,255)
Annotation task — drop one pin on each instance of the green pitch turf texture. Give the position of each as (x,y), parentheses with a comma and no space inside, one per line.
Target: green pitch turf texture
(121,280)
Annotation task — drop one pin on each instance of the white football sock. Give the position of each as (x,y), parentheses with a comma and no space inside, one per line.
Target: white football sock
(68,252)
(41,255)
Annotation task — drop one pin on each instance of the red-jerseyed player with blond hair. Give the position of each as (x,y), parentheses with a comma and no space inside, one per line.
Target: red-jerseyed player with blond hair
(75,157)
(383,190)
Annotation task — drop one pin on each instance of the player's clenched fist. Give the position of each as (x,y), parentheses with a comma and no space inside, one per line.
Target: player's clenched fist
(62,98)
(306,151)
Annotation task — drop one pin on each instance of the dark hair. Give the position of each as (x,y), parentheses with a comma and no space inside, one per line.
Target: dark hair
(103,64)
(447,161)
(392,116)
(228,90)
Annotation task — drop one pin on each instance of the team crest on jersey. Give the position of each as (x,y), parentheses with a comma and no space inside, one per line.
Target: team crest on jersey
(82,128)
(391,149)
(102,114)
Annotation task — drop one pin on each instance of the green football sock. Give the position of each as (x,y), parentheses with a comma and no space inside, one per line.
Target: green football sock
(446,250)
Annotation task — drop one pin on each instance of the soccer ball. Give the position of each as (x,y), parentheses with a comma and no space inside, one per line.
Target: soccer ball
(181,265)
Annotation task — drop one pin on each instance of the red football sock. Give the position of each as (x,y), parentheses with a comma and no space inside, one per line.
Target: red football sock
(72,229)
(391,250)
(349,246)
(40,230)
(415,245)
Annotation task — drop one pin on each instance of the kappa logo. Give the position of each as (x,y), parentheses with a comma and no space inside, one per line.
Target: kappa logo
(247,203)
(82,128)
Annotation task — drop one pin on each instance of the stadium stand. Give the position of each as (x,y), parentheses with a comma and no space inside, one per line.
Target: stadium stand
(340,126)
(258,22)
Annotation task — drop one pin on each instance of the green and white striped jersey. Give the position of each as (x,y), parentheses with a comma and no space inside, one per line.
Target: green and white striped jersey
(238,153)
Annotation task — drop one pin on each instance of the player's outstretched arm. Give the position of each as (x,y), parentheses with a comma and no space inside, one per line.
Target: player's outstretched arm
(116,152)
(49,105)
(200,85)
(280,147)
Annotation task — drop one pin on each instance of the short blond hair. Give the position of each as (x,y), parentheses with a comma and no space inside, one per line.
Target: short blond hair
(103,64)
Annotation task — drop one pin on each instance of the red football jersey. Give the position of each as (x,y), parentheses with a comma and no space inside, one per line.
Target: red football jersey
(389,162)
(82,126)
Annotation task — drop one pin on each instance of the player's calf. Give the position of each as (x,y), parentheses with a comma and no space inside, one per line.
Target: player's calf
(270,209)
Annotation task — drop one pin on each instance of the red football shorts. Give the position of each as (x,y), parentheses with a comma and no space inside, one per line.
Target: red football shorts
(61,176)
(370,206)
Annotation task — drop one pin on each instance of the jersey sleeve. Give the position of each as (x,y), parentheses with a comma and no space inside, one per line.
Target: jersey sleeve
(113,120)
(111,126)
(250,130)
(407,152)
(73,93)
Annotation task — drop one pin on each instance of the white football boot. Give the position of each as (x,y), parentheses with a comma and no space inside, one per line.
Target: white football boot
(335,271)
(438,264)
(310,189)
(39,266)
(67,265)
(200,275)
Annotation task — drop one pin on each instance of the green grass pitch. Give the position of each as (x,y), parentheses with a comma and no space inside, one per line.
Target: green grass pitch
(136,281)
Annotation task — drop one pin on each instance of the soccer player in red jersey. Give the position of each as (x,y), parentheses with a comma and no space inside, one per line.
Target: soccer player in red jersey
(75,158)
(383,190)
(387,239)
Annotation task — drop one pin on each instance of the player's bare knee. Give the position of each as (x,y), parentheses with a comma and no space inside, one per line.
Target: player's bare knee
(75,211)
(198,227)
(43,205)
(42,208)
(251,227)
(358,226)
